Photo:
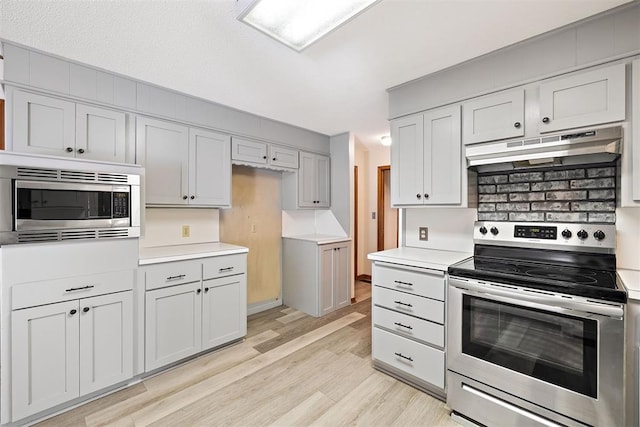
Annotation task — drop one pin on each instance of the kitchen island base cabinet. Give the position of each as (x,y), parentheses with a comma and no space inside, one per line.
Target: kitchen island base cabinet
(316,277)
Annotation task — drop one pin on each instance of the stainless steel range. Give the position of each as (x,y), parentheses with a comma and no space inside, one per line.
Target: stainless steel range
(536,327)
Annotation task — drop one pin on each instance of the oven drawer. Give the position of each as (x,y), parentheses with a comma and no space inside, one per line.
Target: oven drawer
(403,302)
(428,284)
(416,359)
(70,288)
(222,266)
(172,273)
(409,326)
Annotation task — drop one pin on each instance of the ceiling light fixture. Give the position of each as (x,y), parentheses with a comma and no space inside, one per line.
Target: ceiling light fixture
(299,23)
(386,141)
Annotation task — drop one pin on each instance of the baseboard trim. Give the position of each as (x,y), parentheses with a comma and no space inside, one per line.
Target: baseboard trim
(364,278)
(261,306)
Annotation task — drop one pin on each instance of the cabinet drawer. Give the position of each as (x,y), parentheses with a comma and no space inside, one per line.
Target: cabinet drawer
(416,359)
(226,265)
(172,273)
(402,302)
(409,326)
(430,285)
(71,288)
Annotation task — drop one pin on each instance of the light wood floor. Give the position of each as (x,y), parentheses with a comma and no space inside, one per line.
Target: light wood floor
(292,370)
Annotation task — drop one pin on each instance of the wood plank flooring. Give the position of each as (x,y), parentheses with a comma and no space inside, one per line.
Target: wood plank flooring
(292,370)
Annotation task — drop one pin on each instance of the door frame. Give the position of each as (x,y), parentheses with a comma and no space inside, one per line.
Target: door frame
(355,222)
(381,204)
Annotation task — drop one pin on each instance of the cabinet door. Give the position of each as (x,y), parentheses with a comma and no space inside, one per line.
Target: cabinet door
(342,276)
(43,125)
(106,341)
(173,324)
(163,149)
(100,134)
(407,135)
(283,157)
(326,292)
(583,99)
(249,151)
(209,168)
(323,182)
(442,161)
(307,182)
(498,116)
(44,357)
(224,310)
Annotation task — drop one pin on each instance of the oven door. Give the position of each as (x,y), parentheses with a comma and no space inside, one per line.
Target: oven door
(560,352)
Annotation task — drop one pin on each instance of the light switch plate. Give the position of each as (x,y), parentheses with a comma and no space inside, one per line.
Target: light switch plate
(423,233)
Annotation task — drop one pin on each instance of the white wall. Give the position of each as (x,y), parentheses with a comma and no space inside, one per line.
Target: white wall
(628,238)
(163,226)
(362,161)
(450,229)
(342,154)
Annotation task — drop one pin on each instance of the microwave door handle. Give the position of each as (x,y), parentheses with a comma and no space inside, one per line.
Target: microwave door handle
(539,301)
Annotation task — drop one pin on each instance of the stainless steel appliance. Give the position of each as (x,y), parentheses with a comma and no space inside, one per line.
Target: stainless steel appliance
(536,327)
(39,205)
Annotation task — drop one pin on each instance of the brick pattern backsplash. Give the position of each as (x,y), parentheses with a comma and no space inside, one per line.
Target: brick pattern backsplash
(586,194)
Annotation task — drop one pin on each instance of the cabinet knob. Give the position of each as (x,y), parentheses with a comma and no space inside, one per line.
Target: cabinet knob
(517,125)
(264,157)
(81,150)
(193,197)
(72,312)
(545,120)
(426,195)
(86,309)
(206,290)
(274,159)
(419,196)
(184,197)
(198,291)
(69,150)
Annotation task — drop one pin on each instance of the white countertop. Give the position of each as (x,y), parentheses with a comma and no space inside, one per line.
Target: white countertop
(425,258)
(321,239)
(160,254)
(631,281)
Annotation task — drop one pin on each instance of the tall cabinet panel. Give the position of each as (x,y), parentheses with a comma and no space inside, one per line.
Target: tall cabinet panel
(209,168)
(163,149)
(44,357)
(407,160)
(442,156)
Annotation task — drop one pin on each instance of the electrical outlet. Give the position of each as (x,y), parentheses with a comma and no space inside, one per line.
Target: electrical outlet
(186,231)
(423,233)
(253,228)
(373,215)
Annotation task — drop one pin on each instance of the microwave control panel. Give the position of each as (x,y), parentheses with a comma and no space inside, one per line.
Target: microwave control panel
(120,204)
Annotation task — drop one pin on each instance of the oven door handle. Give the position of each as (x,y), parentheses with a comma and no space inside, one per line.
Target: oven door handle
(539,301)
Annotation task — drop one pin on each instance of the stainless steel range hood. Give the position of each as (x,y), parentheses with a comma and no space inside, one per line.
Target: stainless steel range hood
(591,146)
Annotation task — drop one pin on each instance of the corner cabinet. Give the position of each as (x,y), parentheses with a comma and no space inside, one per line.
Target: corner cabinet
(316,276)
(52,126)
(426,162)
(310,186)
(184,166)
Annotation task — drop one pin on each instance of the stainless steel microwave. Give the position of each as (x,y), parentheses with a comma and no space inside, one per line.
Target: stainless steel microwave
(41,205)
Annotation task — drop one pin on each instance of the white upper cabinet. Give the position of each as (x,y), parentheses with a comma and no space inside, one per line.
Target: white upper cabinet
(426,163)
(52,126)
(493,117)
(263,154)
(183,166)
(583,99)
(314,181)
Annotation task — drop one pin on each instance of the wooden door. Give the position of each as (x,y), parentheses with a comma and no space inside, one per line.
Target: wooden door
(163,149)
(209,168)
(407,160)
(43,125)
(44,357)
(224,310)
(497,116)
(173,324)
(100,134)
(106,341)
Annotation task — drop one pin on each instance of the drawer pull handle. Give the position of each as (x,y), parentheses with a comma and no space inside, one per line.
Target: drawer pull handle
(83,288)
(404,357)
(178,277)
(403,303)
(400,282)
(403,326)
(222,270)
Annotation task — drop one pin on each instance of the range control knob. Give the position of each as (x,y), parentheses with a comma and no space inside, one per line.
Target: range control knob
(483,230)
(582,234)
(494,231)
(599,235)
(566,233)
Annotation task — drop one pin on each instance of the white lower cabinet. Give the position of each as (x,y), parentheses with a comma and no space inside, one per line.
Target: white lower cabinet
(65,350)
(183,319)
(408,335)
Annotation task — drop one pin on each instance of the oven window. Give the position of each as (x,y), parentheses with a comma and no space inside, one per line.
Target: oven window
(38,204)
(552,347)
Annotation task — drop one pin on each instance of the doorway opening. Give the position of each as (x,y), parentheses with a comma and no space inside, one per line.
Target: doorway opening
(387,216)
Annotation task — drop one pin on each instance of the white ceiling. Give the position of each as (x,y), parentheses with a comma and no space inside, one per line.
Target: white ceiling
(338,84)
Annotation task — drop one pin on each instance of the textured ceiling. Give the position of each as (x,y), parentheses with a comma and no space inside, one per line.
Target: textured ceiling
(336,85)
